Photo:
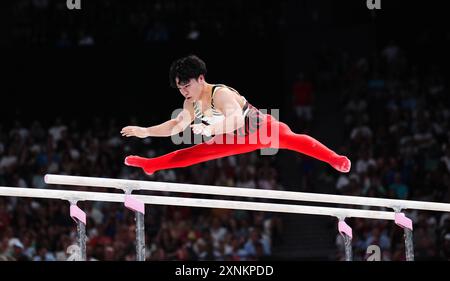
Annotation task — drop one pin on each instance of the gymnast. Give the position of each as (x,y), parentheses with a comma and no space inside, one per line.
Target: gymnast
(232,123)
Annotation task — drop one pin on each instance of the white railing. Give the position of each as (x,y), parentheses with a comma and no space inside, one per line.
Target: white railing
(137,203)
(244,192)
(194,202)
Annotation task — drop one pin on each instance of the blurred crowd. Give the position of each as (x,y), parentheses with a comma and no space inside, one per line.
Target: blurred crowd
(39,229)
(51,23)
(397,133)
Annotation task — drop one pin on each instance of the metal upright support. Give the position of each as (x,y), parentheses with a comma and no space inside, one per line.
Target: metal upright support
(139,209)
(80,218)
(406,223)
(346,231)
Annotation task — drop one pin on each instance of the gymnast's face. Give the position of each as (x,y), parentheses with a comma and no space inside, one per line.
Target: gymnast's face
(191,89)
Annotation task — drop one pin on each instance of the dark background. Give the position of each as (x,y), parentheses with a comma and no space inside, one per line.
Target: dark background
(258,48)
(124,75)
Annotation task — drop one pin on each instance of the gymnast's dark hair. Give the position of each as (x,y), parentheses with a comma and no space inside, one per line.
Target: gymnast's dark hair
(185,69)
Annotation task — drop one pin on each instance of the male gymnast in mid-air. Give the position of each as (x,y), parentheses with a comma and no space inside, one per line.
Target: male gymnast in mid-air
(225,115)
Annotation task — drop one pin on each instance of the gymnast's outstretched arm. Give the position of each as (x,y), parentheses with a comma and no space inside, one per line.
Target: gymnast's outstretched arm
(166,129)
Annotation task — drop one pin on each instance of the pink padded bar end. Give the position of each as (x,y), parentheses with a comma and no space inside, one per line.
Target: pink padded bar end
(403,221)
(134,204)
(345,228)
(77,214)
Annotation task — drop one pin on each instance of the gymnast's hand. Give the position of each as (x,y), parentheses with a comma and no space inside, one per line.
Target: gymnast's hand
(134,131)
(201,129)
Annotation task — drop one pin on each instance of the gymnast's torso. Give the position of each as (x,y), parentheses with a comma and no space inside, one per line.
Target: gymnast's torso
(211,115)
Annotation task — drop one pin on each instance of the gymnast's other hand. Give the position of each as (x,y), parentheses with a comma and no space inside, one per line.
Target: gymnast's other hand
(134,131)
(201,129)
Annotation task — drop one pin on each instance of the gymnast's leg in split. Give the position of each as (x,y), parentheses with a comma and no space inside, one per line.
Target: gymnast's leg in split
(227,145)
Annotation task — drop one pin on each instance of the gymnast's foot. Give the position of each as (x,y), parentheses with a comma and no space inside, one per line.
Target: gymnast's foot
(140,162)
(342,164)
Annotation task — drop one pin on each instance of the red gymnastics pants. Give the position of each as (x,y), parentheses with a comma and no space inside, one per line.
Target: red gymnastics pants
(219,146)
